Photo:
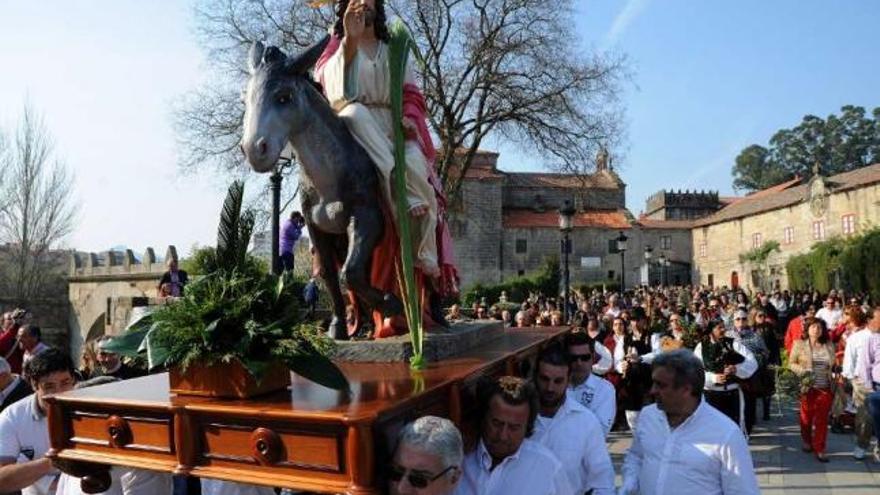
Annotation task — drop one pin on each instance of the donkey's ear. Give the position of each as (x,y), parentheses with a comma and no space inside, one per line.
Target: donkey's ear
(307,58)
(255,56)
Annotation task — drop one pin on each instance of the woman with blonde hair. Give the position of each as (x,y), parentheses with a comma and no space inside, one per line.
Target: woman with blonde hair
(812,358)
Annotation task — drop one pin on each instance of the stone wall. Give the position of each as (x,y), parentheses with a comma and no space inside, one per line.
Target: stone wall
(552,198)
(97,280)
(476,231)
(727,240)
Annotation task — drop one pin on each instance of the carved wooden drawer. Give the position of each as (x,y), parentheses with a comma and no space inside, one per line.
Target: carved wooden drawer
(254,444)
(148,433)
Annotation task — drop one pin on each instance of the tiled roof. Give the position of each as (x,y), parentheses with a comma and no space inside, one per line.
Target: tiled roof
(650,223)
(604,179)
(790,193)
(523,219)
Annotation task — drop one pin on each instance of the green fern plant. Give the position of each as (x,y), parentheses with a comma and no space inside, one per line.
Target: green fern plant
(236,311)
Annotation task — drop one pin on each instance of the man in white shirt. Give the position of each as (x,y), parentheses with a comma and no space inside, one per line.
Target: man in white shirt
(428,457)
(570,430)
(830,313)
(505,460)
(594,393)
(24,431)
(725,360)
(856,345)
(683,445)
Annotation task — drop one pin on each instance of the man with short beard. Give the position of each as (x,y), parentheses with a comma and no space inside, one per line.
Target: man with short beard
(570,430)
(506,461)
(594,393)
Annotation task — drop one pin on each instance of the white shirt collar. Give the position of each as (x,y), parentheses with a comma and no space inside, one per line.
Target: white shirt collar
(486,458)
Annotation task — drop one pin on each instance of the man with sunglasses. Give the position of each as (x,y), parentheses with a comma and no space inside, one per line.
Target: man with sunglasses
(570,430)
(428,458)
(593,392)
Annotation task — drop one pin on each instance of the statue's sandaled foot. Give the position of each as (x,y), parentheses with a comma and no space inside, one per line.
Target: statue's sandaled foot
(391,305)
(337,329)
(436,311)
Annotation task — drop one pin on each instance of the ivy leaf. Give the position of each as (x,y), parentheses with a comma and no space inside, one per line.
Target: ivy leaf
(128,344)
(157,354)
(317,368)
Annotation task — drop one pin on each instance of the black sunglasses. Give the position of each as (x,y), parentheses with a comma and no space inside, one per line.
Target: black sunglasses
(580,357)
(417,480)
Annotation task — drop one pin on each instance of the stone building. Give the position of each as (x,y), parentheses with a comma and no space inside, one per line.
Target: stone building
(797,214)
(505,224)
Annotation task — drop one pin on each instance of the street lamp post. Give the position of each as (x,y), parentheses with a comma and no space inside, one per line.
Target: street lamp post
(648,252)
(566,215)
(275,179)
(621,246)
(663,264)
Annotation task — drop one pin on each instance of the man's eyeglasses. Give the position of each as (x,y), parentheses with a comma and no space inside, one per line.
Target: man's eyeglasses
(580,357)
(415,478)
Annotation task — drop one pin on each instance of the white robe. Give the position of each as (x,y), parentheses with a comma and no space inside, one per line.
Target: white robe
(361,97)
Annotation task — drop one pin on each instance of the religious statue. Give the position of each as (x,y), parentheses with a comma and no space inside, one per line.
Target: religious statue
(343,142)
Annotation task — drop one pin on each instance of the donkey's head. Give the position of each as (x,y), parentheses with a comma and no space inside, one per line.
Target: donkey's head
(275,103)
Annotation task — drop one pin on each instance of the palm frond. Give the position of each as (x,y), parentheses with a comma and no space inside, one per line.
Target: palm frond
(228,231)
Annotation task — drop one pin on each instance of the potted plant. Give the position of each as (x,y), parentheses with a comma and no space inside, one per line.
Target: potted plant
(237,331)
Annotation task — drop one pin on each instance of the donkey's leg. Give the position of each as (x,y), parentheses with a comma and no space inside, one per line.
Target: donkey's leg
(325,245)
(364,232)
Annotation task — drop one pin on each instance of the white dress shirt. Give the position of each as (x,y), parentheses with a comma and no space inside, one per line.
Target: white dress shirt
(24,436)
(574,435)
(744,370)
(532,470)
(220,487)
(831,317)
(124,481)
(606,360)
(855,346)
(707,454)
(598,395)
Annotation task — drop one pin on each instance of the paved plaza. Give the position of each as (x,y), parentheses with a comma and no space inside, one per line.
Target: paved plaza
(784,470)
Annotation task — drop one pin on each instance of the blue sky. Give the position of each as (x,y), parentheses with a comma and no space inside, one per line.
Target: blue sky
(709,78)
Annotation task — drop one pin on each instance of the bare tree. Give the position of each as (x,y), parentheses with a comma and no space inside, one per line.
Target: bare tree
(511,69)
(39,213)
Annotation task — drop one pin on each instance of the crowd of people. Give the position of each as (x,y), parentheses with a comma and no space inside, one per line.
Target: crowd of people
(685,371)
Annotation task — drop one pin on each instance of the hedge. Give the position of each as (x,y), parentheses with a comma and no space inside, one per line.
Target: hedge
(545,281)
(854,258)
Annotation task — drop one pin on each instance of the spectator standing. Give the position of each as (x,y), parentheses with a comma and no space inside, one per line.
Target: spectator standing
(111,364)
(856,345)
(868,371)
(291,231)
(830,313)
(30,339)
(310,296)
(175,278)
(812,358)
(9,348)
(12,387)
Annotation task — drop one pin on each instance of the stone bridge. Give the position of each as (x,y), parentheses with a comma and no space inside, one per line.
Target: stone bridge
(103,288)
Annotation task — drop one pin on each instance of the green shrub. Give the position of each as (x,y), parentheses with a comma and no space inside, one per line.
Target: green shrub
(545,281)
(854,258)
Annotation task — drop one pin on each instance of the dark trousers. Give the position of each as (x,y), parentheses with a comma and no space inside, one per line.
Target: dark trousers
(287,261)
(751,410)
(725,401)
(873,400)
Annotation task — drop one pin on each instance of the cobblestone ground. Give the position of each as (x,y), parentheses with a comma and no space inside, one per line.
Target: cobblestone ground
(783,469)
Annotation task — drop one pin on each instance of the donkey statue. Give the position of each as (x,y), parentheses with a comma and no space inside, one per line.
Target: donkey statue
(339,183)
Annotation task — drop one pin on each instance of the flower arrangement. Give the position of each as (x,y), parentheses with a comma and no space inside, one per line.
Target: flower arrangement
(235,312)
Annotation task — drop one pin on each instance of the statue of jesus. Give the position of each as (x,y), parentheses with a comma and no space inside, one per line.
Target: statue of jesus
(355,75)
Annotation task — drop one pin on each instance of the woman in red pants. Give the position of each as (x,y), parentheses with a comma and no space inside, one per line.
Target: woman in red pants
(812,358)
